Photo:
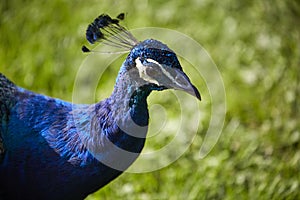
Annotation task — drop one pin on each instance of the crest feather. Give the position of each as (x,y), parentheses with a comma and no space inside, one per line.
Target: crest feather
(108,31)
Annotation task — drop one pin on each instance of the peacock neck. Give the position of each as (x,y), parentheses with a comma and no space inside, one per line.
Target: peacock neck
(130,98)
(125,112)
(123,119)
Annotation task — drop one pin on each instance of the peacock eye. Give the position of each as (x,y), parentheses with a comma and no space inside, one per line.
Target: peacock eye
(144,61)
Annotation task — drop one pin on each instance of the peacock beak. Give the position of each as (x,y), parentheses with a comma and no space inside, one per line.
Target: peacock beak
(180,81)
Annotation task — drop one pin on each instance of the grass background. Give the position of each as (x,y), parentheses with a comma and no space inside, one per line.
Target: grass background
(256,46)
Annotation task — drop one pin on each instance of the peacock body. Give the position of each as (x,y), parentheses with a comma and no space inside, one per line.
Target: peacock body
(52,149)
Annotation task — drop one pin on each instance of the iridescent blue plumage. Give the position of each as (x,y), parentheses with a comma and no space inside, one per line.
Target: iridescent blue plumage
(52,149)
(46,146)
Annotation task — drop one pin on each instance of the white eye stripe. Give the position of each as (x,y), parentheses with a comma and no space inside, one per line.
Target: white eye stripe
(153,61)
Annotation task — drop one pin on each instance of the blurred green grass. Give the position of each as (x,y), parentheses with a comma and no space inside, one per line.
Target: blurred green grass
(255,44)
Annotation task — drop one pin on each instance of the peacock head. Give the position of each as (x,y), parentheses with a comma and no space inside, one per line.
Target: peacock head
(151,62)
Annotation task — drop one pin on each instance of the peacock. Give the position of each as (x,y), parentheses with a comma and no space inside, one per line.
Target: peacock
(53,149)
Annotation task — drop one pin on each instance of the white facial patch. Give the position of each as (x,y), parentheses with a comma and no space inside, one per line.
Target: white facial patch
(142,71)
